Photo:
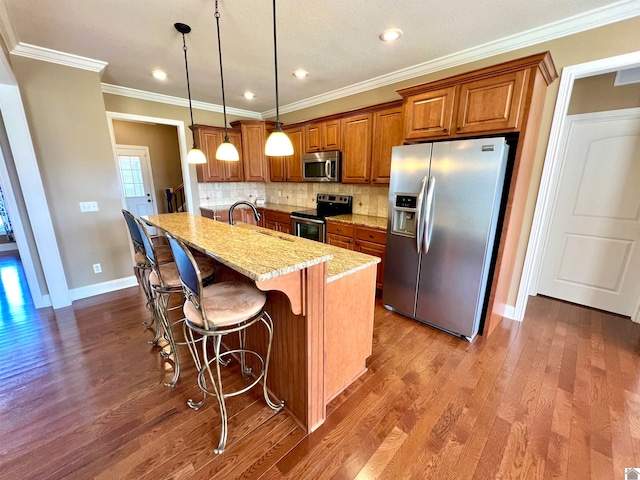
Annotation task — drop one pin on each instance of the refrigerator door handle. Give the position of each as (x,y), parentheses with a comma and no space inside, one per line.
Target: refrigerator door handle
(428,220)
(419,229)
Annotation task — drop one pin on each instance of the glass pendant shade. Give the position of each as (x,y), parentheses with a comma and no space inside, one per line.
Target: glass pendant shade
(228,152)
(278,144)
(195,156)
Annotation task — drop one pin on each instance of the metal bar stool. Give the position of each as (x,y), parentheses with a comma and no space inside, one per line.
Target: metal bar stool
(142,268)
(213,312)
(164,281)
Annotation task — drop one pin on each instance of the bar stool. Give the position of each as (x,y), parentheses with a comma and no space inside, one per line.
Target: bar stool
(213,312)
(164,281)
(142,267)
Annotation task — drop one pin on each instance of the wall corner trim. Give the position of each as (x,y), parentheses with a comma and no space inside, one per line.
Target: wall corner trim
(61,58)
(103,287)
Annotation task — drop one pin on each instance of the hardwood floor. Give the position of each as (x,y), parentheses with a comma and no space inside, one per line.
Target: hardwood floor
(557,396)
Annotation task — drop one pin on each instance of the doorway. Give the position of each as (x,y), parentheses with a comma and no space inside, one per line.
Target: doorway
(136,179)
(551,175)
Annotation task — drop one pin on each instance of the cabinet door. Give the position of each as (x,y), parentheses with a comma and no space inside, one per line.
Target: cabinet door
(284,227)
(330,135)
(247,216)
(271,225)
(294,162)
(255,161)
(491,104)
(277,169)
(312,138)
(387,133)
(375,250)
(208,140)
(340,241)
(429,114)
(234,169)
(356,148)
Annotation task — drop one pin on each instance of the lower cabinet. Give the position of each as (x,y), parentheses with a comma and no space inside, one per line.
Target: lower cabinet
(278,221)
(239,215)
(370,241)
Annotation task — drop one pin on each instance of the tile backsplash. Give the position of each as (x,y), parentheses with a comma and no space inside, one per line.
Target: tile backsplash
(367,199)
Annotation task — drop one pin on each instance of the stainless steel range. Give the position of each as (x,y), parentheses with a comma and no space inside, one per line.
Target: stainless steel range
(311,223)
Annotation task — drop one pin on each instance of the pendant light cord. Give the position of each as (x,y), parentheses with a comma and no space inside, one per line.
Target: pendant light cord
(275,56)
(186,67)
(224,103)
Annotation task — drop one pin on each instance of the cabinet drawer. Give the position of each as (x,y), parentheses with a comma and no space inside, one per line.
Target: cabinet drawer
(371,235)
(340,229)
(273,216)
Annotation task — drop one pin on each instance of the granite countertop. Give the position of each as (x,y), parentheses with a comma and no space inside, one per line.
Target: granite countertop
(256,252)
(267,206)
(362,220)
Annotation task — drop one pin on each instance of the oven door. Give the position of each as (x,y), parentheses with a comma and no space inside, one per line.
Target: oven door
(308,228)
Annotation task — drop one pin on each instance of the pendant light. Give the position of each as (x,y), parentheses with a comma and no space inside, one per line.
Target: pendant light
(195,155)
(278,144)
(226,151)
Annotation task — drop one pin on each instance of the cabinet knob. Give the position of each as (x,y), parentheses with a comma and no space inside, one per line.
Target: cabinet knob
(458,128)
(338,229)
(444,130)
(370,236)
(357,243)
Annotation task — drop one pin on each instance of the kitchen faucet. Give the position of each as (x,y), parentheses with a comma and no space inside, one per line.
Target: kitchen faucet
(243,202)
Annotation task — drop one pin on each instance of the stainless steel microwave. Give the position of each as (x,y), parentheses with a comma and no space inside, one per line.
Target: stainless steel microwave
(321,166)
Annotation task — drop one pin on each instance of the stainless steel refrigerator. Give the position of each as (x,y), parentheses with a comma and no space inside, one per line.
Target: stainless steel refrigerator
(444,204)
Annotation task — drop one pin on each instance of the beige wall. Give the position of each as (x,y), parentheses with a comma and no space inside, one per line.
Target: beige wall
(164,153)
(603,42)
(598,94)
(66,116)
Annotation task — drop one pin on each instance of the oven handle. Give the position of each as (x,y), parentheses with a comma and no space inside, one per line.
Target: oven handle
(302,220)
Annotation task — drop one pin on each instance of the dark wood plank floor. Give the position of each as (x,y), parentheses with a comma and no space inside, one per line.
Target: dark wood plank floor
(557,396)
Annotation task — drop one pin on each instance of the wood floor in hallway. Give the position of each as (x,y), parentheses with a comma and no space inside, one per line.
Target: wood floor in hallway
(557,396)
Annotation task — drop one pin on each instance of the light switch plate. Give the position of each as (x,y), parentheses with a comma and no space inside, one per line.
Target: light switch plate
(88,207)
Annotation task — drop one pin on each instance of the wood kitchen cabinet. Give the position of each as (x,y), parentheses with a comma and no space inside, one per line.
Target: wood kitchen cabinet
(208,140)
(278,221)
(429,114)
(254,137)
(356,148)
(371,241)
(322,136)
(289,169)
(387,133)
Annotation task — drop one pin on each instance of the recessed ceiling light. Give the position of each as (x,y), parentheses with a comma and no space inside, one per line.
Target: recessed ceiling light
(249,95)
(391,35)
(301,73)
(159,74)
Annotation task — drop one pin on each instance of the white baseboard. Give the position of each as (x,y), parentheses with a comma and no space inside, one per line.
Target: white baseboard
(104,287)
(510,313)
(8,247)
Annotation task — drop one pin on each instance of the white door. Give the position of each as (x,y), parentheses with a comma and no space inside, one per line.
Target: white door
(592,254)
(136,180)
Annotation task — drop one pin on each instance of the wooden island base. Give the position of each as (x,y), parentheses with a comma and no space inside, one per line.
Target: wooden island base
(322,336)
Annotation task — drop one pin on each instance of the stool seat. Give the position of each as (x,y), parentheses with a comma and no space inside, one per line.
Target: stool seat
(226,303)
(170,276)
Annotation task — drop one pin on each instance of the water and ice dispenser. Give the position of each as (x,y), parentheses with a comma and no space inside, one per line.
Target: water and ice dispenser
(404,214)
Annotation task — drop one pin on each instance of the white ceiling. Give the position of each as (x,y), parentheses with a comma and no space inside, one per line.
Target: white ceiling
(335,40)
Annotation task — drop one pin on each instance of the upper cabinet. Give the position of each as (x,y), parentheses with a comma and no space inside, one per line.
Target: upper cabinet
(322,136)
(254,137)
(289,169)
(356,148)
(486,101)
(208,139)
(387,133)
(429,114)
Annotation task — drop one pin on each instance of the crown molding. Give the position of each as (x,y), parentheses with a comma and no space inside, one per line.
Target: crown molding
(181,102)
(586,21)
(61,58)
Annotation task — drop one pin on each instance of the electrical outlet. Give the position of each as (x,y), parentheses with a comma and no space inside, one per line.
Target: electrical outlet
(88,207)
(97,268)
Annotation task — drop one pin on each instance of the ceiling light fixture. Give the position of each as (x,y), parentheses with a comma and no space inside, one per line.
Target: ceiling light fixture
(390,35)
(249,95)
(195,155)
(159,74)
(300,73)
(226,151)
(278,144)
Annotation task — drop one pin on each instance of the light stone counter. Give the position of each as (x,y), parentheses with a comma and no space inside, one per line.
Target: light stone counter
(256,252)
(362,220)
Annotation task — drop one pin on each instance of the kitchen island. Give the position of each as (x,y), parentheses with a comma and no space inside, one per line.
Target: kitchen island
(321,299)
